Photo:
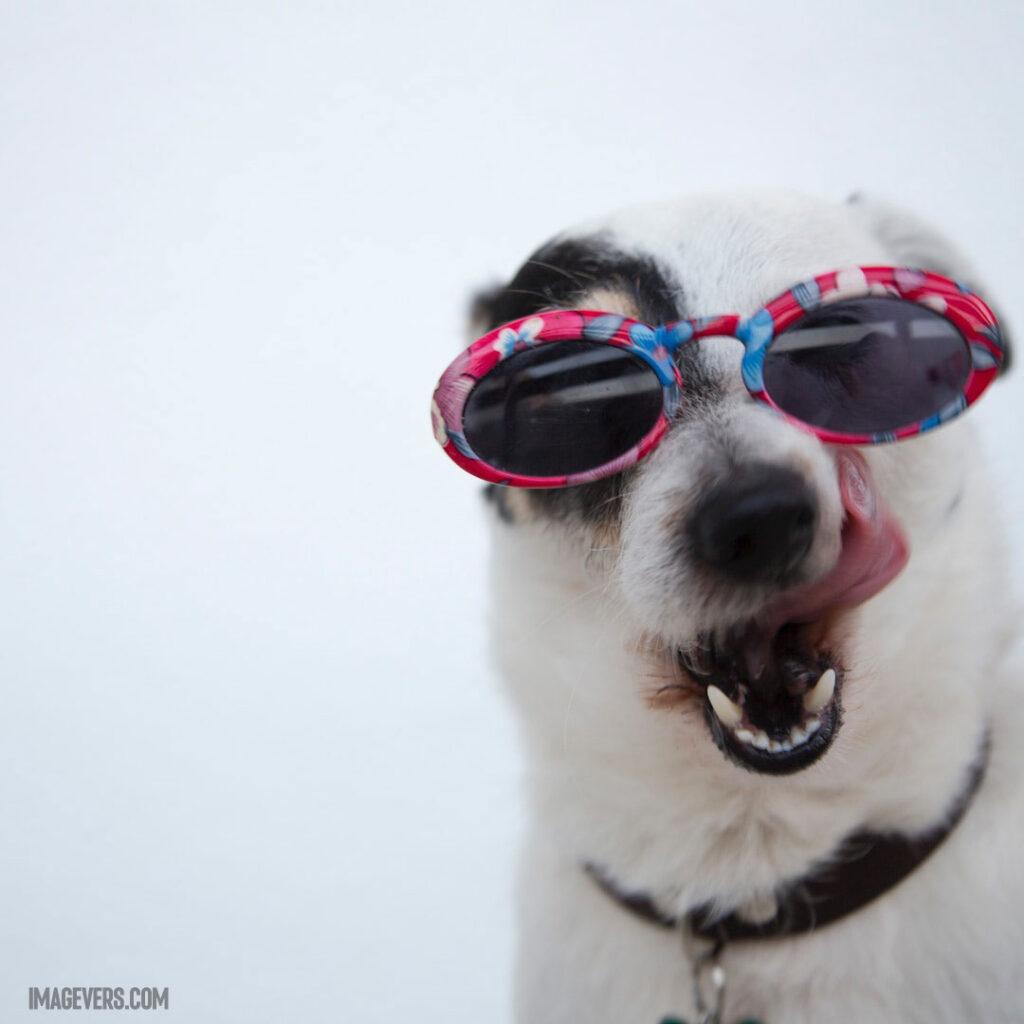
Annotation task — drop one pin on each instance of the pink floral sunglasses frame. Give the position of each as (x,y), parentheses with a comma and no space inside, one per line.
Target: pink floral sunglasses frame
(657,347)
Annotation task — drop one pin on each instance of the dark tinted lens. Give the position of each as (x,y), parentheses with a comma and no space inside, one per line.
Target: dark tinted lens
(867,365)
(561,408)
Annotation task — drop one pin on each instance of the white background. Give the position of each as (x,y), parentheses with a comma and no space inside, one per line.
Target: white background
(249,745)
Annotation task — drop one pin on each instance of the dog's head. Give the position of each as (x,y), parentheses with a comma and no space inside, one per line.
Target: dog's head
(735,561)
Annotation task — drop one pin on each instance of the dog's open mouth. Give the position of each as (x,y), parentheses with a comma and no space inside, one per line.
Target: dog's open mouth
(773,685)
(772,703)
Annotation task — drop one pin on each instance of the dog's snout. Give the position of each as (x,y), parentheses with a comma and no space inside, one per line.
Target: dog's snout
(757,526)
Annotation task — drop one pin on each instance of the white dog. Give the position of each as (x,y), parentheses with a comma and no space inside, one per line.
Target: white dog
(656,810)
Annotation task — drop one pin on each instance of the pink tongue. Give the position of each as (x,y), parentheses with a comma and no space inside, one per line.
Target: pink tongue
(874,551)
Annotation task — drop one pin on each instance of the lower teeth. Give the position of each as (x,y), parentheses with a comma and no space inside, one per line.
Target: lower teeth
(798,735)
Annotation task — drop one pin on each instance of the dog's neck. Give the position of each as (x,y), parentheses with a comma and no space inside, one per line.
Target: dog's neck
(865,867)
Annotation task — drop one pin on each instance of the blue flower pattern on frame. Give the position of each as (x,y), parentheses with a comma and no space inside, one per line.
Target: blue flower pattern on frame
(755,332)
(462,445)
(659,343)
(602,328)
(509,340)
(807,294)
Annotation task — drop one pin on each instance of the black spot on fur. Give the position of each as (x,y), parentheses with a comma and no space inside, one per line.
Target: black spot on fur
(558,275)
(498,497)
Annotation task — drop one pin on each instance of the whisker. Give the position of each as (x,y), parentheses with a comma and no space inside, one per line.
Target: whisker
(543,296)
(561,270)
(570,604)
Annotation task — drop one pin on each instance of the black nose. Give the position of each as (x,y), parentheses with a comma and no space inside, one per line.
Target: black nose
(757,526)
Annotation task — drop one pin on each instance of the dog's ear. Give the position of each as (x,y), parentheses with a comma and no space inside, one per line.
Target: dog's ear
(912,242)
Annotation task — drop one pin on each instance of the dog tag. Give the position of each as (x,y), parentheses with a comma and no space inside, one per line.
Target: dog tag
(708,984)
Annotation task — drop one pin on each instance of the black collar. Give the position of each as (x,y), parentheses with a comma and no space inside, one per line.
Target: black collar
(866,865)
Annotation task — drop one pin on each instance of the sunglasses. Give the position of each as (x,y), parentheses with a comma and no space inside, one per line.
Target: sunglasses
(865,355)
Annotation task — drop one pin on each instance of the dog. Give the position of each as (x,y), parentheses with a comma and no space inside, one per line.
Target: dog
(612,623)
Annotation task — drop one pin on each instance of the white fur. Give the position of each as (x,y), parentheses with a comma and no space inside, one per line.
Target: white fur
(645,792)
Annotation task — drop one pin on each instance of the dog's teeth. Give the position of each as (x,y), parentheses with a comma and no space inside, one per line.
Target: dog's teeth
(761,740)
(812,727)
(745,736)
(797,735)
(728,711)
(824,688)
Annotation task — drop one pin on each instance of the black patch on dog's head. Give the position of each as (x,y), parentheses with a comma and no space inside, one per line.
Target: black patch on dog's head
(561,271)
(559,274)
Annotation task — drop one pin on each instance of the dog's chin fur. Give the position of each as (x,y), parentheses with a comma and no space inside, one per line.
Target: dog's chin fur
(586,616)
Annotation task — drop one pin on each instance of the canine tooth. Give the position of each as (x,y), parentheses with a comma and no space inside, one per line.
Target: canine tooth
(824,688)
(745,736)
(728,711)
